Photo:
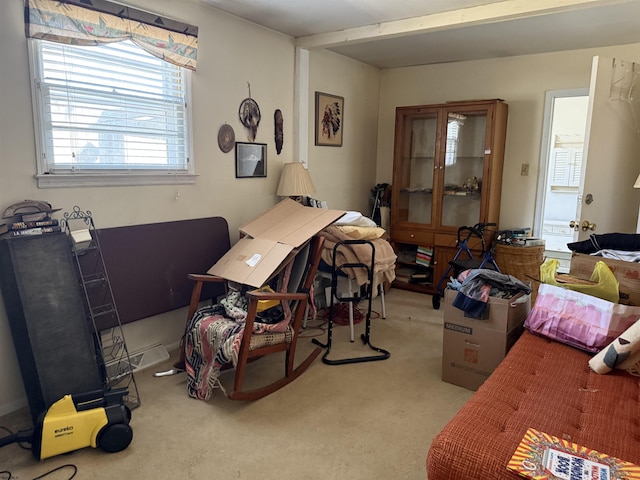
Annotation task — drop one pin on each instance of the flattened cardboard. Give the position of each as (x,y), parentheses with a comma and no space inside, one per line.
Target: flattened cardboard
(627,274)
(251,261)
(268,241)
(290,223)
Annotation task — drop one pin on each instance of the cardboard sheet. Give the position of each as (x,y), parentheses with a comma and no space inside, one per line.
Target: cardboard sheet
(269,239)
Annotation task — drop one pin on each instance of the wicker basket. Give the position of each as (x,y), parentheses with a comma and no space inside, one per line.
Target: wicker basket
(521,262)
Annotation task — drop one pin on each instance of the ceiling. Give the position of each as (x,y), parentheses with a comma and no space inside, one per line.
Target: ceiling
(401,33)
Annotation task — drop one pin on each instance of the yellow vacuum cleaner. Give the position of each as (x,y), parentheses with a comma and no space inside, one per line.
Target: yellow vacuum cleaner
(94,419)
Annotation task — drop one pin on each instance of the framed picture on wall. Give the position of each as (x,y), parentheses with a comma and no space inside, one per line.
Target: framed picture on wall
(251,160)
(329,119)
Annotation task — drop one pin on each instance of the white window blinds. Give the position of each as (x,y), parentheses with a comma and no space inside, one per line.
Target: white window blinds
(567,166)
(110,108)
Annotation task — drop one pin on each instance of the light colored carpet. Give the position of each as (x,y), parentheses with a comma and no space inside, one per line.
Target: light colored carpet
(371,420)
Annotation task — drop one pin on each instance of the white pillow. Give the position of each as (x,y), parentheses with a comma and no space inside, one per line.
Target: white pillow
(356,219)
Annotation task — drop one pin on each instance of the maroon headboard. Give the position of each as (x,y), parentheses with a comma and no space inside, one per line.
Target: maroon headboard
(148,264)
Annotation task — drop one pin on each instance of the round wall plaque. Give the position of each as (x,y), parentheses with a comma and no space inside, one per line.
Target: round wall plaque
(226,138)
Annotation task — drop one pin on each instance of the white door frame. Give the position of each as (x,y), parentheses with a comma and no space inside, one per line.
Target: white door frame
(545,151)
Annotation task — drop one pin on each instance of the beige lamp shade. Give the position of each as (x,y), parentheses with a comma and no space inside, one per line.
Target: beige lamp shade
(637,184)
(295,181)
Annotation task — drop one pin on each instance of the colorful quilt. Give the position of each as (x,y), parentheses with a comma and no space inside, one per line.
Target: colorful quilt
(214,335)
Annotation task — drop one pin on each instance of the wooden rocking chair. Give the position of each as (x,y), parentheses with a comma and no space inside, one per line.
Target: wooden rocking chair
(252,346)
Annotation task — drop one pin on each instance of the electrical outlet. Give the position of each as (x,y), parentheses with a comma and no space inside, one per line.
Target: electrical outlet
(524,170)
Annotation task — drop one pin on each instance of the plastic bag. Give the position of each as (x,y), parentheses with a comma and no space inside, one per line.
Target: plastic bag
(606,286)
(577,319)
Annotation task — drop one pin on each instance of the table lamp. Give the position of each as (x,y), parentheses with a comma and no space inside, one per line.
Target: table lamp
(295,182)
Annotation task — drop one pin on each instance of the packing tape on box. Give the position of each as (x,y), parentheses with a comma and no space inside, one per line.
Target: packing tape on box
(81,236)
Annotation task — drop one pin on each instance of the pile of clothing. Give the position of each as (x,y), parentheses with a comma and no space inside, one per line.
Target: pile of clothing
(355,226)
(476,285)
(619,246)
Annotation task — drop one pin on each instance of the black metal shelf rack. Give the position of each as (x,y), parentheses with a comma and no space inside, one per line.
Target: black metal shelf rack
(100,303)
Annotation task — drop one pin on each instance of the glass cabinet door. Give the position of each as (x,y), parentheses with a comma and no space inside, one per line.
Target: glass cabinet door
(447,173)
(463,166)
(415,199)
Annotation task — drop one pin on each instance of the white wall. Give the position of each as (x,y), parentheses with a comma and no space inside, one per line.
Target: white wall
(339,173)
(231,53)
(520,81)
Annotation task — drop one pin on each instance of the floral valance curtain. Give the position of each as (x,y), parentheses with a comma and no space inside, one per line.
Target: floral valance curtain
(95,22)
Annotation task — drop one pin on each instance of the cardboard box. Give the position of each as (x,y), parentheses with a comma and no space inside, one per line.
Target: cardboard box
(473,348)
(470,354)
(501,314)
(627,274)
(269,239)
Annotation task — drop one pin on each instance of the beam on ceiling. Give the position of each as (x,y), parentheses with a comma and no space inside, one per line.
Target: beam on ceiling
(466,17)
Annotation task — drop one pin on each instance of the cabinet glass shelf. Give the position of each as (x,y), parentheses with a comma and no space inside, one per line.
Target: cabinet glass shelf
(427,191)
(461,194)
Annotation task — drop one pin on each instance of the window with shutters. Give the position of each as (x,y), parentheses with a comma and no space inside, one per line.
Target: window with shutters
(567,168)
(109,115)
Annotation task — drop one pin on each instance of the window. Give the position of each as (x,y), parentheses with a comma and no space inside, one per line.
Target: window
(567,168)
(455,121)
(109,115)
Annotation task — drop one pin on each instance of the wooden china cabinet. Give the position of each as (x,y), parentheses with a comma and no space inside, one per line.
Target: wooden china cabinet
(447,173)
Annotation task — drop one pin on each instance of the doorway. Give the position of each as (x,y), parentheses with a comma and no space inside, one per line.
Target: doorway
(561,171)
(595,190)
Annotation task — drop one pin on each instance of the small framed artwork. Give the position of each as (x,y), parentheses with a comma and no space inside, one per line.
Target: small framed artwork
(251,160)
(329,119)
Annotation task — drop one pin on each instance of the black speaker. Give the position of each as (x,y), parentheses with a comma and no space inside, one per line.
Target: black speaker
(54,342)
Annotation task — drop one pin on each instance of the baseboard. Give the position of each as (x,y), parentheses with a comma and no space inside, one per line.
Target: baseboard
(14,406)
(173,346)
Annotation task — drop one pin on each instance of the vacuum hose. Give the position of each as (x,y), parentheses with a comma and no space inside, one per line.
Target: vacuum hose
(20,437)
